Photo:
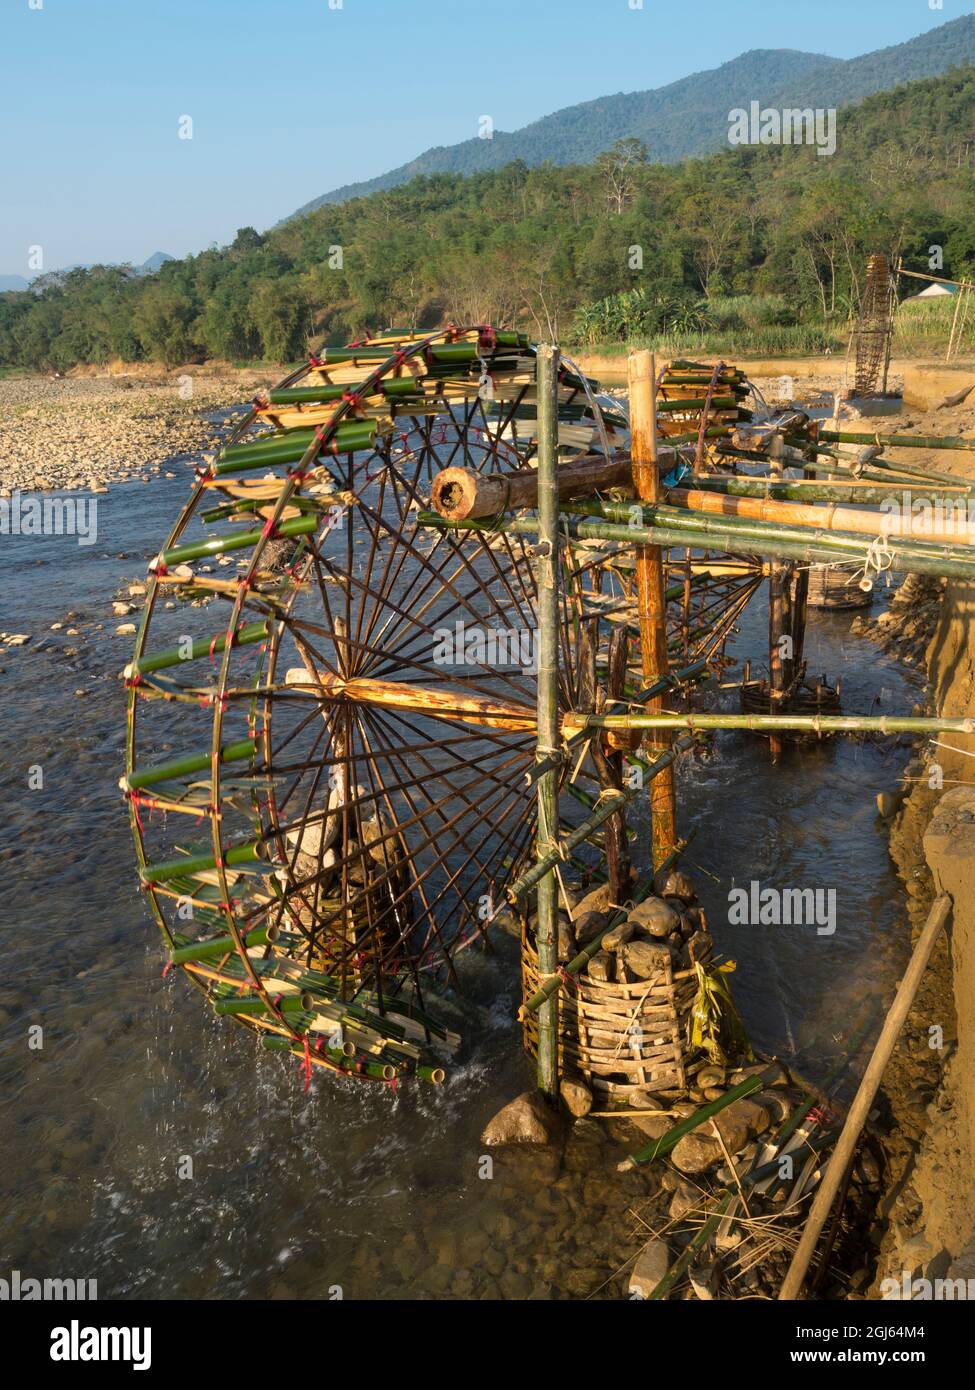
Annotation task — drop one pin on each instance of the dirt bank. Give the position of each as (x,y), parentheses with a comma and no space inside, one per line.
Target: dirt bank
(927,1215)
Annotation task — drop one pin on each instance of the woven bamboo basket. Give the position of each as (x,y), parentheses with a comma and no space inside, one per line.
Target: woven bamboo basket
(830,587)
(623,1038)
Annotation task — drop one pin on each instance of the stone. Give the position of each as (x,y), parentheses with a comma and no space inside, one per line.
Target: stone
(566,940)
(676,883)
(710,1076)
(686,1198)
(601,967)
(653,1126)
(576,1097)
(120,608)
(655,917)
(696,1153)
(704,1279)
(525,1120)
(740,1121)
(772,1074)
(598,900)
(588,925)
(647,958)
(649,1268)
(616,939)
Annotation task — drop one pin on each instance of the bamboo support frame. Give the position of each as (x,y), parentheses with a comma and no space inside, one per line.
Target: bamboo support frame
(642,375)
(547,745)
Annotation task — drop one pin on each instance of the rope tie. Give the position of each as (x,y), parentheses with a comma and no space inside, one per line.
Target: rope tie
(877,562)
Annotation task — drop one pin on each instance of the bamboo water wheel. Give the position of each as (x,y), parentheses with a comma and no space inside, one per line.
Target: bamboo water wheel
(331,709)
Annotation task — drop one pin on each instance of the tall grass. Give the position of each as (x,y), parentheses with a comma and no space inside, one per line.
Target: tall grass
(790,340)
(926,325)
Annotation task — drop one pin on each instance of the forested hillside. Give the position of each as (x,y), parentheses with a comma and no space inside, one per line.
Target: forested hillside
(556,250)
(690,117)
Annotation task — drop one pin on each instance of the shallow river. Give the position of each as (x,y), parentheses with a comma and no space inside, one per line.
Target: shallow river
(348,1190)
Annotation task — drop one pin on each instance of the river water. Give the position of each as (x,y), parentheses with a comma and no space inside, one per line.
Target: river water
(151,1148)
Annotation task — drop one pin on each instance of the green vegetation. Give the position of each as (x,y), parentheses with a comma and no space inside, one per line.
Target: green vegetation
(758,249)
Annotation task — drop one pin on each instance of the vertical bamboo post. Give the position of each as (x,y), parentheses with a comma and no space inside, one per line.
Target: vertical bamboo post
(547,742)
(642,376)
(779,626)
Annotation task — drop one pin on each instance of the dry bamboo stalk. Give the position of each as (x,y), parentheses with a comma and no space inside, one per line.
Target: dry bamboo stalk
(826,518)
(863,1100)
(641,367)
(471,709)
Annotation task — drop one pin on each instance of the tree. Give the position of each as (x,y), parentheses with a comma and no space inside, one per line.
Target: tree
(619,166)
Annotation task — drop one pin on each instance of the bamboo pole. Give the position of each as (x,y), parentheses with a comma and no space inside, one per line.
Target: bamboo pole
(458,493)
(864,1098)
(547,742)
(605,807)
(741,538)
(898,441)
(642,376)
(953,531)
(797,490)
(808,723)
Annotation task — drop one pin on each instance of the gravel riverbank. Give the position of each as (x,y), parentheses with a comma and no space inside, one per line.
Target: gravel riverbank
(64,433)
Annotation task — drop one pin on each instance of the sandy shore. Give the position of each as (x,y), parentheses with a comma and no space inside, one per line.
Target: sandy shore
(87,432)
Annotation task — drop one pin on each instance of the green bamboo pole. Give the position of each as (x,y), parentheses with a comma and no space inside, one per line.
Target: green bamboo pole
(296,395)
(898,441)
(808,723)
(220,945)
(817,492)
(547,745)
(183,767)
(202,646)
(189,864)
(285,445)
(759,538)
(233,540)
(604,808)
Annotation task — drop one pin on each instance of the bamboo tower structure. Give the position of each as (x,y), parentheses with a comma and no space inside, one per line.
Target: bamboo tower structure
(874,330)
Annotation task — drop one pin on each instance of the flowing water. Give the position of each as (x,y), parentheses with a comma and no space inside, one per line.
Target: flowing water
(150,1147)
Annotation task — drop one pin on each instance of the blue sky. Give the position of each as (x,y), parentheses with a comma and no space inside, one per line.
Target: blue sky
(290,98)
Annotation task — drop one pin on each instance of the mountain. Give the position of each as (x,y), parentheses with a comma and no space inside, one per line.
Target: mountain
(148,267)
(690,116)
(152,264)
